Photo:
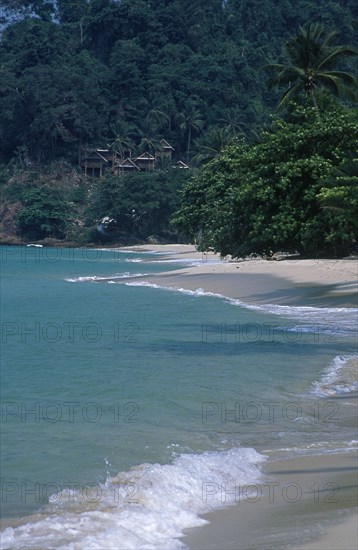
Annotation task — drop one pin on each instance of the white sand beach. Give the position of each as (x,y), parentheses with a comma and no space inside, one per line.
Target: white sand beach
(319,283)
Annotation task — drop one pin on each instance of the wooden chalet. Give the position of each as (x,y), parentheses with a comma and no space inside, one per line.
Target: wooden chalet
(93,163)
(145,162)
(126,166)
(108,154)
(166,150)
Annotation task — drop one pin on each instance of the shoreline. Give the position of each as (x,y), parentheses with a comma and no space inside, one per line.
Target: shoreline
(305,503)
(305,283)
(301,283)
(311,522)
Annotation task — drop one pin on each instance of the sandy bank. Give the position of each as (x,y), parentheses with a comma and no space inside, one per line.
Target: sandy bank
(323,516)
(321,283)
(305,503)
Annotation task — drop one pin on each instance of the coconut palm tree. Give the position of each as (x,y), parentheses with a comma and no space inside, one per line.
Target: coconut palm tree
(157,116)
(212,143)
(190,120)
(147,134)
(233,122)
(121,141)
(313,57)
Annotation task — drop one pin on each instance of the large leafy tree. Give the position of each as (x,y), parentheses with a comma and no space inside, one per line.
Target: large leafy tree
(313,58)
(340,194)
(44,214)
(265,197)
(141,204)
(51,98)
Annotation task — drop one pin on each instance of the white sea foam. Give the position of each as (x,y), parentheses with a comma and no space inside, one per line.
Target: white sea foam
(340,377)
(197,292)
(343,318)
(331,321)
(147,507)
(192,262)
(111,278)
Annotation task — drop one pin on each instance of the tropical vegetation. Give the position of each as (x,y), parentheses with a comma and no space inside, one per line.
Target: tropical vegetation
(207,77)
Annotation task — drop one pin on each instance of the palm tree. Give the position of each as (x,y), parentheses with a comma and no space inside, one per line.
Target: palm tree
(190,120)
(157,116)
(313,55)
(212,143)
(233,121)
(121,141)
(163,163)
(147,133)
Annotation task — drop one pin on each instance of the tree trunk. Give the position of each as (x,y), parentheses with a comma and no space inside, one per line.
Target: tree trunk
(314,101)
(188,147)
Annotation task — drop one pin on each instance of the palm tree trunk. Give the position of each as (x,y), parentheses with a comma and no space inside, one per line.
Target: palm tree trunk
(315,105)
(188,147)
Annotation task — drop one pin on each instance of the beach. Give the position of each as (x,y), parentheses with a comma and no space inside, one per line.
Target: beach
(319,283)
(159,397)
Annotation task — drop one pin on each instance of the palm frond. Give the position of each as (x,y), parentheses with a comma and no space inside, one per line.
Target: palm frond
(289,94)
(338,53)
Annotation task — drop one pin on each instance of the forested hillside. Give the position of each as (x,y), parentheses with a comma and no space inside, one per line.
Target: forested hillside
(79,72)
(128,73)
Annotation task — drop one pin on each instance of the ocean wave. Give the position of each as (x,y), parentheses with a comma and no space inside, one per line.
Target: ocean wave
(340,377)
(320,448)
(345,318)
(147,507)
(197,292)
(331,321)
(191,262)
(110,278)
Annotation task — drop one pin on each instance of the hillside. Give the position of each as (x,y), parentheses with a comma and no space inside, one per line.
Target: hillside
(125,74)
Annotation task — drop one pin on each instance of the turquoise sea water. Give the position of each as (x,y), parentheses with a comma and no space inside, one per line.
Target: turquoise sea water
(127,407)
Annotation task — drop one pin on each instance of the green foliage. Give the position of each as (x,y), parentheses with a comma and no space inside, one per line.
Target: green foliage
(72,68)
(341,194)
(265,197)
(125,74)
(44,214)
(313,56)
(141,204)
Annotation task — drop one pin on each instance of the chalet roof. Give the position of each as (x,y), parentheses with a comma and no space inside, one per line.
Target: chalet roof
(93,155)
(166,145)
(127,163)
(181,164)
(145,156)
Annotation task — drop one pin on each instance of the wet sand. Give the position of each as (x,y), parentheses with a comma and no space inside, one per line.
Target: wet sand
(318,283)
(323,514)
(305,503)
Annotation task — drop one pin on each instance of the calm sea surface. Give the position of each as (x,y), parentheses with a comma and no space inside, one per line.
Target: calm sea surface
(125,406)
